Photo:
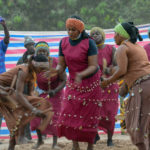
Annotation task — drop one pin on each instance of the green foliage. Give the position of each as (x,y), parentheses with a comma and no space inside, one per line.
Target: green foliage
(48,15)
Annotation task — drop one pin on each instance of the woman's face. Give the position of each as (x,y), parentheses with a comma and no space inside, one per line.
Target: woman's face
(40,66)
(118,39)
(73,33)
(42,52)
(97,37)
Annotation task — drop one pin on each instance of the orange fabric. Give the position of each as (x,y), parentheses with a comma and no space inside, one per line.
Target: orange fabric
(78,24)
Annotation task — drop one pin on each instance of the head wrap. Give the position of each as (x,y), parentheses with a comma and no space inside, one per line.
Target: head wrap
(120,30)
(129,31)
(28,40)
(99,30)
(41,45)
(75,21)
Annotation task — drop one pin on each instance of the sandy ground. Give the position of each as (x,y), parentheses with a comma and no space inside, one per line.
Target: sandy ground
(122,142)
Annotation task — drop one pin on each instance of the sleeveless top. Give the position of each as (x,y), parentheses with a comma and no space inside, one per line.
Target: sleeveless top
(106,53)
(76,57)
(138,64)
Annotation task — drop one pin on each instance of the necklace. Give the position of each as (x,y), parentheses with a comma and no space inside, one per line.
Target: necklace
(99,44)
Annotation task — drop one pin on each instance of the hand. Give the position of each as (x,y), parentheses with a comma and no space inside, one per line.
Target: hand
(48,74)
(106,71)
(104,83)
(52,93)
(3,23)
(38,112)
(78,78)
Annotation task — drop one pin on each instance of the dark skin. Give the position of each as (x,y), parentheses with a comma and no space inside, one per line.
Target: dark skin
(6,32)
(21,80)
(23,101)
(99,39)
(121,69)
(30,51)
(51,92)
(92,66)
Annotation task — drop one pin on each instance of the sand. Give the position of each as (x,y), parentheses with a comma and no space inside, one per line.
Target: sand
(122,142)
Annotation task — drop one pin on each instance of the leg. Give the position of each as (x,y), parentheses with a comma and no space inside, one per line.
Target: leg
(55,146)
(97,137)
(109,140)
(90,146)
(141,146)
(28,132)
(40,140)
(75,145)
(21,137)
(12,143)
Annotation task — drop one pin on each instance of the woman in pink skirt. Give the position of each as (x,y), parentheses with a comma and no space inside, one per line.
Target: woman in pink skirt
(51,90)
(110,94)
(79,116)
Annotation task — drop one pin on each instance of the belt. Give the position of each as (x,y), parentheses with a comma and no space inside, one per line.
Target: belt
(141,79)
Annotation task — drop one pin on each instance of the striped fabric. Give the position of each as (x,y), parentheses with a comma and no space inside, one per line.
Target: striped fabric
(16,50)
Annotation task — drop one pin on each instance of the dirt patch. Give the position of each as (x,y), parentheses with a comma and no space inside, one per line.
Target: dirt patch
(121,142)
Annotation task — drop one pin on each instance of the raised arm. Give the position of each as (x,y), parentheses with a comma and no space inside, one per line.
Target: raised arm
(6,32)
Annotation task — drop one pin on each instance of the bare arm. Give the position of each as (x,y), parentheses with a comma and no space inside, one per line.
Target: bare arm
(19,90)
(63,82)
(61,65)
(122,62)
(6,32)
(110,70)
(92,66)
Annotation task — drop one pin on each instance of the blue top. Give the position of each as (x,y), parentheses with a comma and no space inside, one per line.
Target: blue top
(3,49)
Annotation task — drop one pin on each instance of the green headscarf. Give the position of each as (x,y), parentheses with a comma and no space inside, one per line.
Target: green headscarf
(120,30)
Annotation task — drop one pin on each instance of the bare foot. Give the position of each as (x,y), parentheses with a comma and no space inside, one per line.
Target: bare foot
(11,148)
(29,141)
(77,148)
(38,144)
(56,147)
(22,140)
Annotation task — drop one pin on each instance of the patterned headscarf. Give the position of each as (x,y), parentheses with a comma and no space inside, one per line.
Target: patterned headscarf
(76,22)
(41,45)
(94,29)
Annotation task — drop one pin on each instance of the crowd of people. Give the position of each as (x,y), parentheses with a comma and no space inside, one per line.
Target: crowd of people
(32,94)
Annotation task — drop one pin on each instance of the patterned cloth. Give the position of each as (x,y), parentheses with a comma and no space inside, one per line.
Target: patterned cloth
(109,95)
(79,117)
(42,84)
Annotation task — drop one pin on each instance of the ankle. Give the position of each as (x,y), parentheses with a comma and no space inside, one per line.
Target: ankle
(90,146)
